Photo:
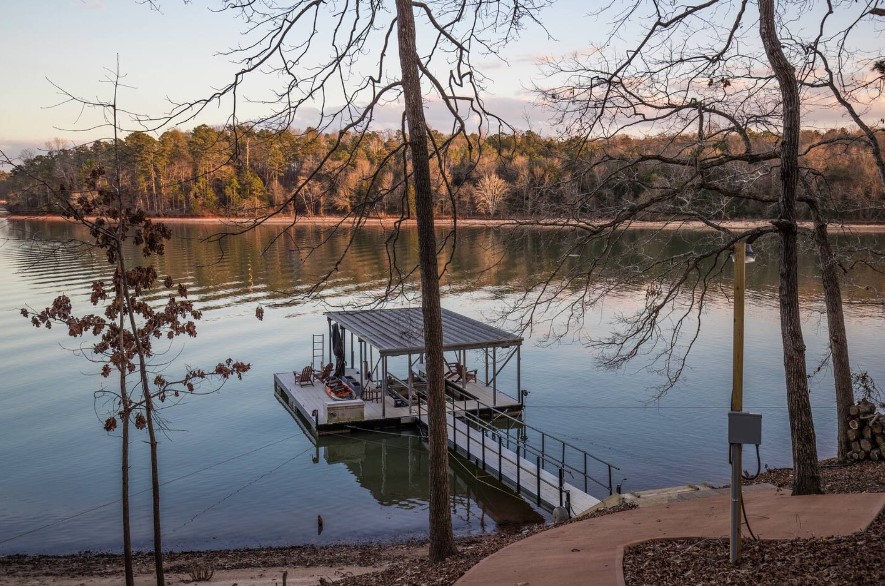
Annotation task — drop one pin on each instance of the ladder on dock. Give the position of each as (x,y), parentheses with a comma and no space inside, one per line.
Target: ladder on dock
(552,474)
(319,351)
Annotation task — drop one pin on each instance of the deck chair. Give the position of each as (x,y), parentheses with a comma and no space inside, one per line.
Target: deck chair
(306,376)
(324,373)
(452,373)
(465,375)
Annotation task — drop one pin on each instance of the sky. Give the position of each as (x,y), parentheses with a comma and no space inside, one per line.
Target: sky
(173,54)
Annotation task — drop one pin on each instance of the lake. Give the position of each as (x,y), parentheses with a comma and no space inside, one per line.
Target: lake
(236,469)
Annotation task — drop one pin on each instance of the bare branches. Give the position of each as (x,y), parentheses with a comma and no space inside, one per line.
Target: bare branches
(698,89)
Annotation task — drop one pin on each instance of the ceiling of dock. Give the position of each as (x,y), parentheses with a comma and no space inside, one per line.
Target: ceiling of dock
(398,331)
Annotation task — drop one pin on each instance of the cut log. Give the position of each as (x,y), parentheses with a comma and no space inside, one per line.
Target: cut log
(855,446)
(876,426)
(875,454)
(880,439)
(853,411)
(853,455)
(866,432)
(866,407)
(853,435)
(854,423)
(866,445)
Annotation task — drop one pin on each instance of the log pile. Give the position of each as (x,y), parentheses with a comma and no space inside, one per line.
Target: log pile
(866,432)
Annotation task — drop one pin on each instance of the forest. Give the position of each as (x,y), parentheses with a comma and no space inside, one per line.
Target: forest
(244,172)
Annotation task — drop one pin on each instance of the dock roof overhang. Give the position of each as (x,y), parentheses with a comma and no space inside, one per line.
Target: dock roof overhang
(398,331)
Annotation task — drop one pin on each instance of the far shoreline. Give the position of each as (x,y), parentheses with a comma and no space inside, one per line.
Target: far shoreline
(515,222)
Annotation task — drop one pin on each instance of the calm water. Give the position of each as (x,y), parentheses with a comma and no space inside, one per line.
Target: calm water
(238,471)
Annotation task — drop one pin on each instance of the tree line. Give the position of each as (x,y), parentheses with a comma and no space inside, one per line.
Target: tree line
(247,173)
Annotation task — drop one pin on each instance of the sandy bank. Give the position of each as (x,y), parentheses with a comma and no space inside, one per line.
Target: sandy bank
(551,223)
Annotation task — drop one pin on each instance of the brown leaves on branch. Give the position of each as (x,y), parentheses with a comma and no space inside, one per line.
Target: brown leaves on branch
(120,342)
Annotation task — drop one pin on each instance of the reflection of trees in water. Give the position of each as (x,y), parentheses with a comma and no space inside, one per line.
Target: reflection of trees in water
(393,468)
(276,266)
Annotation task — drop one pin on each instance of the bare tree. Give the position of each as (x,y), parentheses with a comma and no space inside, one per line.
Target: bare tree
(335,59)
(127,329)
(490,193)
(718,100)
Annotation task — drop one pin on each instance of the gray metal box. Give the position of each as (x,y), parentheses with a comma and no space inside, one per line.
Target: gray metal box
(744,428)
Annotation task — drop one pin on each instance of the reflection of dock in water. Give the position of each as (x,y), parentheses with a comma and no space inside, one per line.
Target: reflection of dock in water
(393,469)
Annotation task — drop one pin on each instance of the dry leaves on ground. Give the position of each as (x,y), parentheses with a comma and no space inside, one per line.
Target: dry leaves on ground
(853,559)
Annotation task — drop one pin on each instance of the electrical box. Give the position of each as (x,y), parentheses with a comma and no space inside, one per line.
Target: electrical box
(744,428)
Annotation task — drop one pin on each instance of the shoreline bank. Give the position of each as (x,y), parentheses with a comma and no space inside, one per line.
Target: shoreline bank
(550,223)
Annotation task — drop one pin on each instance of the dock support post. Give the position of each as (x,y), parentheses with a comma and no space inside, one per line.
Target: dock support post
(495,379)
(518,468)
(519,374)
(485,352)
(610,492)
(362,365)
(538,480)
(483,450)
(351,350)
(500,449)
(384,386)
(329,323)
(561,480)
(410,384)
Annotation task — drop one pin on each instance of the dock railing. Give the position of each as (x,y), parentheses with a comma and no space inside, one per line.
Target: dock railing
(552,455)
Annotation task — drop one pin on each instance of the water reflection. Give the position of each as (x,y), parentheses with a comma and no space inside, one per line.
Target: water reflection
(276,266)
(392,467)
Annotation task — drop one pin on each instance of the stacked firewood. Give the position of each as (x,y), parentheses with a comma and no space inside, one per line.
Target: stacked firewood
(866,432)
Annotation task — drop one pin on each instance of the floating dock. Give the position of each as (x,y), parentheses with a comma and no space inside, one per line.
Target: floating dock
(479,415)
(325,415)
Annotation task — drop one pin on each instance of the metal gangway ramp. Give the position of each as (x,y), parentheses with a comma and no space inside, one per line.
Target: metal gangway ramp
(552,474)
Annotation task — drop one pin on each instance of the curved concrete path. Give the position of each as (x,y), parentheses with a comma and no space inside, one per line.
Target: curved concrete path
(591,552)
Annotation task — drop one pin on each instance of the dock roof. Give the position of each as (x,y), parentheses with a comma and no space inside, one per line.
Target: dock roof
(398,331)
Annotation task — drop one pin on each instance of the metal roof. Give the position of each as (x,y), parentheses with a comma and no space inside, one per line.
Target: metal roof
(399,331)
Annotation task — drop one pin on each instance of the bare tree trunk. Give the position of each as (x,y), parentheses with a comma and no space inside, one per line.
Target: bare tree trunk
(129,312)
(127,532)
(836,329)
(442,542)
(806,473)
(155,476)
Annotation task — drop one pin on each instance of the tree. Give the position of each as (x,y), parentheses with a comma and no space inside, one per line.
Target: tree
(490,192)
(806,475)
(290,40)
(720,132)
(128,328)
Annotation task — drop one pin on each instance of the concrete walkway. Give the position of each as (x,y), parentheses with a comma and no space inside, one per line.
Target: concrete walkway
(591,552)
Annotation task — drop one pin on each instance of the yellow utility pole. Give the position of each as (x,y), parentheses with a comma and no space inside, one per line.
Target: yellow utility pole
(737,395)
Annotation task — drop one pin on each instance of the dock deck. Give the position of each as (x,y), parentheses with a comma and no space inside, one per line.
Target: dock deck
(325,415)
